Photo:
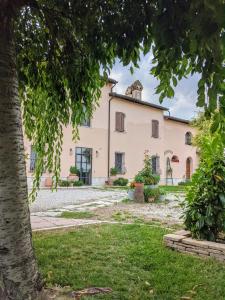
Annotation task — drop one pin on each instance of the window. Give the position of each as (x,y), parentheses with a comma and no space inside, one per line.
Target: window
(155,165)
(33,157)
(120,121)
(84,164)
(155,128)
(120,162)
(188,138)
(86,122)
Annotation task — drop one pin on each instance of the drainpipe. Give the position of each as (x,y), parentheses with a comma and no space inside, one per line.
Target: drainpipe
(109,129)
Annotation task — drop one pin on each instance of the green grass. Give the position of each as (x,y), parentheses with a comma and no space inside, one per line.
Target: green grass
(130,259)
(172,188)
(77,214)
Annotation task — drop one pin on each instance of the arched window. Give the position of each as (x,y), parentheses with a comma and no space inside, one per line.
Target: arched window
(188,138)
(175,158)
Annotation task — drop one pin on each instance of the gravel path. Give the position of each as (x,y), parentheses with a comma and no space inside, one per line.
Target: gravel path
(66,199)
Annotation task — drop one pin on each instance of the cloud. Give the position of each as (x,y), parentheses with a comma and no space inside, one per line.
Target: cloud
(183,104)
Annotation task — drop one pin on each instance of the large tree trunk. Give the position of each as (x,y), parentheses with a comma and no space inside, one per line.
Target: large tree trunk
(19,277)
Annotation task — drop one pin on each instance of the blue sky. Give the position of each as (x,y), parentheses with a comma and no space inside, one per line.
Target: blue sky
(183,103)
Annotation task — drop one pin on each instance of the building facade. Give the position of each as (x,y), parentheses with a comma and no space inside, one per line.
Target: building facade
(122,129)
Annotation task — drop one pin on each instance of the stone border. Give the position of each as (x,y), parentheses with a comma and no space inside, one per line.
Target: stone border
(182,242)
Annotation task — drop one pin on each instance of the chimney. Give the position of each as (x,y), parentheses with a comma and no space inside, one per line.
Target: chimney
(135,90)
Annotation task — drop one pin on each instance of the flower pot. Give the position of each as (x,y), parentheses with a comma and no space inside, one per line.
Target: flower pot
(138,184)
(72,177)
(48,182)
(151,199)
(139,193)
(130,194)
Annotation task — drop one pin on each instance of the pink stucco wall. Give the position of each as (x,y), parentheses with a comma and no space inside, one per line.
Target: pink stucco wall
(136,139)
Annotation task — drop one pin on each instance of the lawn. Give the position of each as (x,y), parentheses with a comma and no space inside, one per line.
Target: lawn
(173,188)
(77,214)
(130,259)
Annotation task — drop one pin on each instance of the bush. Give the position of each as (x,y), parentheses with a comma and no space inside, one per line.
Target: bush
(205,201)
(146,172)
(151,193)
(139,179)
(64,183)
(77,183)
(74,170)
(120,181)
(113,171)
(184,183)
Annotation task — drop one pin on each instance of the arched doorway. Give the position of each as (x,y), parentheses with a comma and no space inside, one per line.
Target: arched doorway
(188,168)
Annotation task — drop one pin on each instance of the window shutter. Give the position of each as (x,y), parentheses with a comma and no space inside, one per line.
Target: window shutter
(120,121)
(155,128)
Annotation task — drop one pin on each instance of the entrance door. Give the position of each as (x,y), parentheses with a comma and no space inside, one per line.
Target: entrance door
(188,168)
(84,164)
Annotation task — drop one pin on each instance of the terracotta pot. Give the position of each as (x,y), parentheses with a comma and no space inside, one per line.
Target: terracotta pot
(72,177)
(138,184)
(48,182)
(151,199)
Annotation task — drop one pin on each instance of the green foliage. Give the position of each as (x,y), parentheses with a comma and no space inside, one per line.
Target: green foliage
(113,171)
(62,45)
(139,179)
(78,183)
(64,183)
(146,172)
(205,201)
(184,183)
(74,170)
(152,193)
(120,181)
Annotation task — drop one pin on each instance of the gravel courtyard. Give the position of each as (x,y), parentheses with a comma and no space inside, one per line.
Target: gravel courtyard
(106,204)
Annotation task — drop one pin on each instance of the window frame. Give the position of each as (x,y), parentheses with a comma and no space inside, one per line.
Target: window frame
(188,138)
(155,130)
(121,170)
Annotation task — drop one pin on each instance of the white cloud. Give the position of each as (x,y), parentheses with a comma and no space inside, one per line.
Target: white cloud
(182,105)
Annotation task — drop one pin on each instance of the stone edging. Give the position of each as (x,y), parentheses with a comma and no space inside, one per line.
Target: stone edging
(182,242)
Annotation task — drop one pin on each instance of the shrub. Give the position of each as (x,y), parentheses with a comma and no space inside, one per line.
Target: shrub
(120,181)
(205,201)
(78,183)
(74,170)
(146,172)
(139,179)
(184,183)
(64,183)
(151,193)
(113,171)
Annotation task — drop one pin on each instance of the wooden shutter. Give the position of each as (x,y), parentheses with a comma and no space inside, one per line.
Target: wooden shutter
(120,121)
(155,128)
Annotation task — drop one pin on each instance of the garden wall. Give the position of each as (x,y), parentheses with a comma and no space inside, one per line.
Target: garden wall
(182,242)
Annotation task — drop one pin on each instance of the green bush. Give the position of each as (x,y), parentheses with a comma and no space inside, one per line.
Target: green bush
(113,171)
(151,193)
(74,170)
(139,179)
(205,201)
(64,183)
(120,181)
(78,183)
(184,183)
(146,172)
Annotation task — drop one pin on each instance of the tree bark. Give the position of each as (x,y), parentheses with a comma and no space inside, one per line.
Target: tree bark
(19,277)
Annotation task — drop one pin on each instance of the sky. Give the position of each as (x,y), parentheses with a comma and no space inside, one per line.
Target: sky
(183,105)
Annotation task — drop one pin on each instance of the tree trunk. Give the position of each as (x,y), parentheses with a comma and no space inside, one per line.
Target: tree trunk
(19,277)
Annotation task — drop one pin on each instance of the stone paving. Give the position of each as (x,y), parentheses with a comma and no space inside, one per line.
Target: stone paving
(52,204)
(51,223)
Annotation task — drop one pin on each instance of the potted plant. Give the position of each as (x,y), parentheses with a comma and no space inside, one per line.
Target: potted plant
(151,195)
(113,173)
(154,180)
(138,180)
(74,172)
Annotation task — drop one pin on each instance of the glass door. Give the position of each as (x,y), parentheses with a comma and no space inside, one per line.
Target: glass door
(84,164)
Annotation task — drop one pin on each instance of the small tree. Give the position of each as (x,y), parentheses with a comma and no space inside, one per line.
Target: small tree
(205,200)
